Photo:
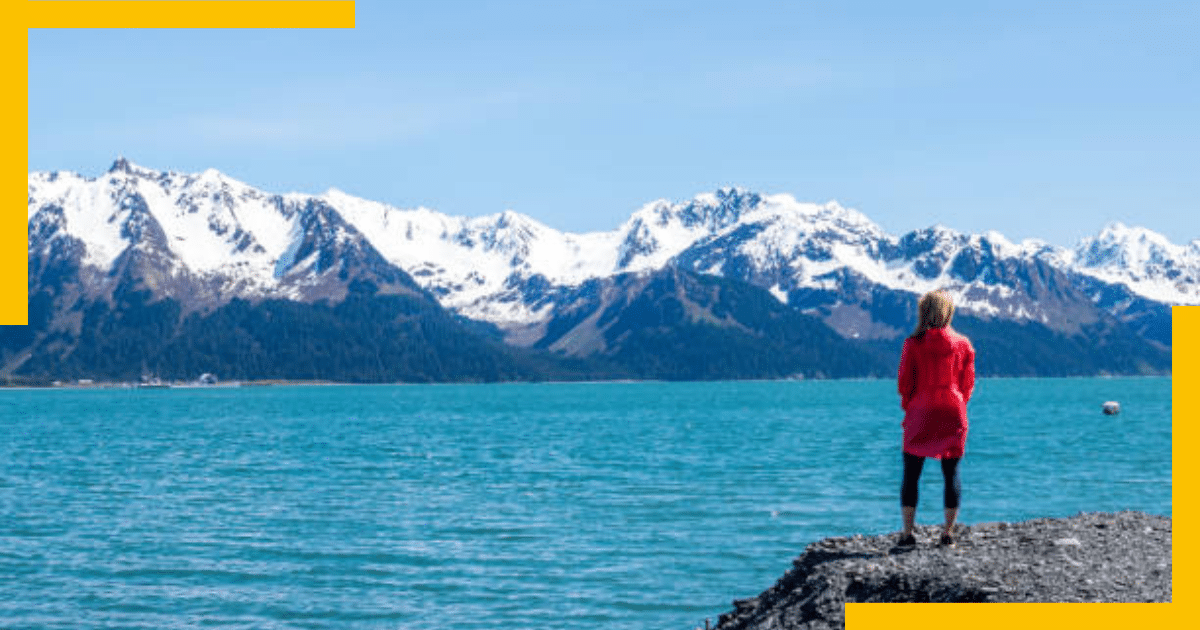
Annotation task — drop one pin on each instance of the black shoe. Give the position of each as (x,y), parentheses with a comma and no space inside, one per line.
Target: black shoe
(947,540)
(907,541)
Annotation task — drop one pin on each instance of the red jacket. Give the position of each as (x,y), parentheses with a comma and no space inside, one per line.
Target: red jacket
(937,375)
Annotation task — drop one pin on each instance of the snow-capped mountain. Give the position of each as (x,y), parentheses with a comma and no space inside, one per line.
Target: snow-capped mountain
(206,239)
(202,238)
(1143,260)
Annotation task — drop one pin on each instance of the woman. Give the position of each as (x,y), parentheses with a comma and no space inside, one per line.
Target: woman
(937,374)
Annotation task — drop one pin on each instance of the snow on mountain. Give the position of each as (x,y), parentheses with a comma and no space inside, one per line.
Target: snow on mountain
(468,261)
(211,223)
(478,265)
(1143,260)
(786,246)
(506,268)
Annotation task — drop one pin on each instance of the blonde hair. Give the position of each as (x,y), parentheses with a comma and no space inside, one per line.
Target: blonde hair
(935,310)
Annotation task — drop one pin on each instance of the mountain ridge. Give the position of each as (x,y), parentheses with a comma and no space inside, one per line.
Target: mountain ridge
(204,240)
(447,253)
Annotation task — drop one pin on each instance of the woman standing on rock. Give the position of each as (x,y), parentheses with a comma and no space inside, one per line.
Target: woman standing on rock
(937,374)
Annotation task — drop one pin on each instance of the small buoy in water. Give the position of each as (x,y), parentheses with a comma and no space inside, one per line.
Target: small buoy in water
(1112,408)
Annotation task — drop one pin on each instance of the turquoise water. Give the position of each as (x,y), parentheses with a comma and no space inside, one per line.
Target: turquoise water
(648,505)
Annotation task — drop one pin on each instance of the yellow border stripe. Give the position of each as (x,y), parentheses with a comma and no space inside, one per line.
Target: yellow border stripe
(190,14)
(14,246)
(1185,411)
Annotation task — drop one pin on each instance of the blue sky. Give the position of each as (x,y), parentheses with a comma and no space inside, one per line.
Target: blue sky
(1030,119)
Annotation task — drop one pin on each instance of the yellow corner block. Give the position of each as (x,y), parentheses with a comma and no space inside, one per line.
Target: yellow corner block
(189,14)
(1016,616)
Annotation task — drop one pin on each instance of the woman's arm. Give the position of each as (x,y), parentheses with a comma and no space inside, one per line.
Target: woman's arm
(966,380)
(907,377)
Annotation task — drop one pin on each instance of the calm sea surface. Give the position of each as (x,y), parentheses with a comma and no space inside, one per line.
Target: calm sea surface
(647,505)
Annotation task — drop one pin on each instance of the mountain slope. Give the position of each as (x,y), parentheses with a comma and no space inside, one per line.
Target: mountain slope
(365,337)
(675,324)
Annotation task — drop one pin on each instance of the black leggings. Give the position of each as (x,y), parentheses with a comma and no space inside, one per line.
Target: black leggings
(912,474)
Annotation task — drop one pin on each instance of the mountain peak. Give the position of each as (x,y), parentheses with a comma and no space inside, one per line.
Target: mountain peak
(939,229)
(509,217)
(123,166)
(1119,232)
(728,197)
(1118,236)
(733,192)
(119,165)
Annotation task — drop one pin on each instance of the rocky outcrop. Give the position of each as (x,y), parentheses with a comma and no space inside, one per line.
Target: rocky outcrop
(1099,557)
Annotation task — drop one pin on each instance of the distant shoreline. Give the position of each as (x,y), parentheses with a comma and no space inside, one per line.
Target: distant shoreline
(93,385)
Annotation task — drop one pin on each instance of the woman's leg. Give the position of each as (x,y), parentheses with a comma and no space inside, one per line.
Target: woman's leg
(953,493)
(908,490)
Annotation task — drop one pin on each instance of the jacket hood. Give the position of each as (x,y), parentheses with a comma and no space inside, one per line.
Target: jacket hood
(938,340)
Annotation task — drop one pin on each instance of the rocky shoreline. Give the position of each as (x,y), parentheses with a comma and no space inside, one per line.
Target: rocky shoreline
(1092,557)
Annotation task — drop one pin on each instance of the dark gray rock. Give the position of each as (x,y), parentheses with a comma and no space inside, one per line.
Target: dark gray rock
(1099,557)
